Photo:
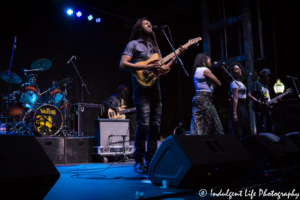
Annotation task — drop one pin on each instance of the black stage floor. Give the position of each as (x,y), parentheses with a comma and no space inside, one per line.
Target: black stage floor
(119,181)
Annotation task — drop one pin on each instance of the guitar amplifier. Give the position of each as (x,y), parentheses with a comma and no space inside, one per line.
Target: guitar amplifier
(83,117)
(111,132)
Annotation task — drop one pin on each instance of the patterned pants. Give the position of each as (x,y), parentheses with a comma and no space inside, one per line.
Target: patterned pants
(205,119)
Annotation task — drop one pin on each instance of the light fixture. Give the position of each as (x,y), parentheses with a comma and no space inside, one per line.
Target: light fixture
(70,11)
(90,17)
(98,20)
(78,13)
(278,87)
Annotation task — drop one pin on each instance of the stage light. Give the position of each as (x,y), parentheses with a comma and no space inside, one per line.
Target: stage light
(90,17)
(78,14)
(98,20)
(69,11)
(278,87)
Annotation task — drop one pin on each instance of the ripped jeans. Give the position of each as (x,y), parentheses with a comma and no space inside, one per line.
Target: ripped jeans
(148,116)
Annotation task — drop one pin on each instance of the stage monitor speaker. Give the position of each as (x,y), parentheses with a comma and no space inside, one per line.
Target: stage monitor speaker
(264,149)
(26,170)
(190,161)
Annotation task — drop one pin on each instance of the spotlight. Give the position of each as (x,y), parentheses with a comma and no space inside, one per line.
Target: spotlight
(98,20)
(78,14)
(69,11)
(90,17)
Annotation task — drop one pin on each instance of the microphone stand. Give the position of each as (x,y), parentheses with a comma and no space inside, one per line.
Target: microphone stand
(180,110)
(83,84)
(9,84)
(296,87)
(230,75)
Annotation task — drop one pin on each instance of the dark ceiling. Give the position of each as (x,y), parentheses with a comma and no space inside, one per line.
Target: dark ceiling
(126,12)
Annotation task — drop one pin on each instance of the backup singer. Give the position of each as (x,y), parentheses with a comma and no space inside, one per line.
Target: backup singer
(239,118)
(147,100)
(205,119)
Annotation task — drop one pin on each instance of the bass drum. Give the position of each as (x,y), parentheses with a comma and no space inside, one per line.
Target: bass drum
(46,120)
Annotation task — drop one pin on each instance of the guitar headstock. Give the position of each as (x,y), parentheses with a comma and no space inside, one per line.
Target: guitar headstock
(194,41)
(289,91)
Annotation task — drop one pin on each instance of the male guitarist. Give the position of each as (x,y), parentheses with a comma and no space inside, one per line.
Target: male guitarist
(260,94)
(117,101)
(147,100)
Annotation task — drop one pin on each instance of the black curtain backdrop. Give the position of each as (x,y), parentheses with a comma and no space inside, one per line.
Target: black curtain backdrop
(45,31)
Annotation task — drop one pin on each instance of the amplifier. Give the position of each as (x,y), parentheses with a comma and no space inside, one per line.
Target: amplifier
(83,117)
(111,132)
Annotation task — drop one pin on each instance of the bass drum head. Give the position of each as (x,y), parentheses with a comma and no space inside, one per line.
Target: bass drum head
(47,120)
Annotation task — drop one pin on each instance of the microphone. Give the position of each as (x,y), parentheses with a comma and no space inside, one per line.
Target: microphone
(159,27)
(291,77)
(219,63)
(71,59)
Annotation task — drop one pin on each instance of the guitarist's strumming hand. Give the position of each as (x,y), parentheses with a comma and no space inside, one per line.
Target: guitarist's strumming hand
(153,67)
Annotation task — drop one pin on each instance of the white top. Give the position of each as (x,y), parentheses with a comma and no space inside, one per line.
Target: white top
(201,82)
(242,90)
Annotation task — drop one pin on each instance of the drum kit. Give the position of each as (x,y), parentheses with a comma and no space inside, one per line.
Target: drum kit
(26,113)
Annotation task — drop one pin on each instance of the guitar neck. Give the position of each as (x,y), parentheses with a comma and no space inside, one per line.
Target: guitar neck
(276,98)
(171,55)
(126,111)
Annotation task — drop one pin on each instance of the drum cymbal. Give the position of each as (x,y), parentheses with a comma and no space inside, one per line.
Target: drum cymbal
(14,78)
(43,63)
(65,81)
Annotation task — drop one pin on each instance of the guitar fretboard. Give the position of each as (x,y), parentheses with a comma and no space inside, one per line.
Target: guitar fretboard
(171,55)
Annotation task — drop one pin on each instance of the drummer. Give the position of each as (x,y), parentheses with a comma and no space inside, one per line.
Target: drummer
(32,80)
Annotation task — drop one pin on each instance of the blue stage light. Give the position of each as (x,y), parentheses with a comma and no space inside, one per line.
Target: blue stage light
(70,11)
(78,13)
(98,20)
(90,17)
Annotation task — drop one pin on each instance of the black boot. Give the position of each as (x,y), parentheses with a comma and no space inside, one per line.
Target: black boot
(140,168)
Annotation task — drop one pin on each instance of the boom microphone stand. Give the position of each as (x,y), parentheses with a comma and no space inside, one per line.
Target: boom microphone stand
(83,84)
(178,60)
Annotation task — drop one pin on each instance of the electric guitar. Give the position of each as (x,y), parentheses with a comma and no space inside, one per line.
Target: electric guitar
(148,80)
(269,105)
(119,115)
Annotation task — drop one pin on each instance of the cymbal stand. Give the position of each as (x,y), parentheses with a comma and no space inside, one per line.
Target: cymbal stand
(9,74)
(64,129)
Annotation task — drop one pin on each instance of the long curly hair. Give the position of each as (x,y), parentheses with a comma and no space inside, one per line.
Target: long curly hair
(136,31)
(198,62)
(230,70)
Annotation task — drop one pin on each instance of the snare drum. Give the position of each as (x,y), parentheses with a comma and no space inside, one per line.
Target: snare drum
(29,93)
(46,120)
(56,95)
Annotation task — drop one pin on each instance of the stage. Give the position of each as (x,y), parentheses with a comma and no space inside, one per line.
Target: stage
(109,181)
(119,181)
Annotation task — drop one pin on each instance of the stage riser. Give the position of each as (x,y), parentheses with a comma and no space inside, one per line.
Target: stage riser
(67,150)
